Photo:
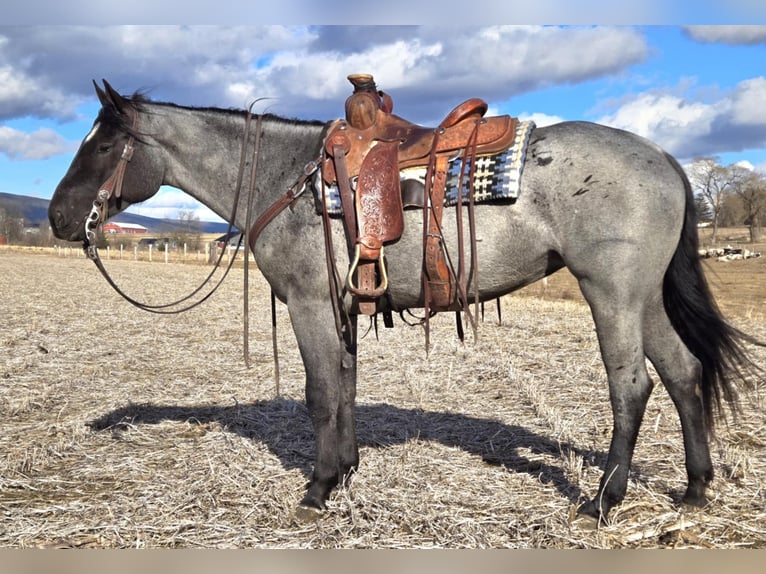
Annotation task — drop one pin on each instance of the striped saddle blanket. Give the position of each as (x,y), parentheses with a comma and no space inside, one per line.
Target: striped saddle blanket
(496,177)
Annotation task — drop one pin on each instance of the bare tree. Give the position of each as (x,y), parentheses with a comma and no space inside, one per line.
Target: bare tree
(11,225)
(713,182)
(702,209)
(750,187)
(732,212)
(189,230)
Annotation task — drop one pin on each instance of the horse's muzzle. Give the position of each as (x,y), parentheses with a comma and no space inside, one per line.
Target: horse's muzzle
(64,229)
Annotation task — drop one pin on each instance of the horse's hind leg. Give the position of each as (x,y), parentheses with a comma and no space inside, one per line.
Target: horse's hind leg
(680,372)
(618,319)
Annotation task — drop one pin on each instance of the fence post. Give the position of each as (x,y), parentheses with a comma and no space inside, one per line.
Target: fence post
(121,251)
(135,252)
(166,253)
(150,252)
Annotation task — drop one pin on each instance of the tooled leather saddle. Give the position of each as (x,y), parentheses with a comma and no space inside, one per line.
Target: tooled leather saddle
(364,154)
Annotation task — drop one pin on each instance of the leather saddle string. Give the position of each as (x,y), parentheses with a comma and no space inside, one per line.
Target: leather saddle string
(468,156)
(474,249)
(427,214)
(350,222)
(469,153)
(335,281)
(347,196)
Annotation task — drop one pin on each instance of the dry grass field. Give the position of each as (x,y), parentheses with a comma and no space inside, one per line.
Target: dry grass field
(124,429)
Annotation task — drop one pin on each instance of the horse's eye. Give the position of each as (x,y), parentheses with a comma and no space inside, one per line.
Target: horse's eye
(104,148)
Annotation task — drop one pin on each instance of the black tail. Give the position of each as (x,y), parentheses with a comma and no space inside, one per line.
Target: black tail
(697,319)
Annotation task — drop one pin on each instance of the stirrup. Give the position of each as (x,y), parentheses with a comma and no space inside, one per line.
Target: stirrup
(378,290)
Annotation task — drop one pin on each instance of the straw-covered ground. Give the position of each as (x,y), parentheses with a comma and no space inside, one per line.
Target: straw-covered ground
(119,428)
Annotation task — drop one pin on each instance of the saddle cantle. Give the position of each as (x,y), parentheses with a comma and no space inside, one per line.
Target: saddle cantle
(364,155)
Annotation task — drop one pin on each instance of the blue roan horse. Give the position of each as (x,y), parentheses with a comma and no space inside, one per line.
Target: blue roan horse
(612,207)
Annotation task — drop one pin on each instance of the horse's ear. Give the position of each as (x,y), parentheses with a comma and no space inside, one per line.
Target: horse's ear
(112,97)
(102,97)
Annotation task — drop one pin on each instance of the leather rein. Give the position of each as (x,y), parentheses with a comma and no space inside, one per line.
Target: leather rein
(99,213)
(112,187)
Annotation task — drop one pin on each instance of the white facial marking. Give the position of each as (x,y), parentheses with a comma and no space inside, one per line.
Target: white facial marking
(92,132)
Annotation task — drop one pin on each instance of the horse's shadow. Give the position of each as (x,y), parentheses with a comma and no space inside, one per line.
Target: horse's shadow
(283,425)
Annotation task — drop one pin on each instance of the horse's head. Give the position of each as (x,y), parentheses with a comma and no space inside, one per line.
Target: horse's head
(113,156)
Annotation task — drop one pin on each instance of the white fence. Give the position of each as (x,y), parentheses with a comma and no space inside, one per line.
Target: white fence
(150,253)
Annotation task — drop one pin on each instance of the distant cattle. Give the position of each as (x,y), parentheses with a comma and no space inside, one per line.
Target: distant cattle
(728,253)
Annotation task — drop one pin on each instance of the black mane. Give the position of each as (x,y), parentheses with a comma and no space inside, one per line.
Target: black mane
(110,116)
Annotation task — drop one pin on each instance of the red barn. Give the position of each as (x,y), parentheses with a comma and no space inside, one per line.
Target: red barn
(114,227)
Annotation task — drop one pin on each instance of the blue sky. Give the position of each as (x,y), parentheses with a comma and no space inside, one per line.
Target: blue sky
(696,91)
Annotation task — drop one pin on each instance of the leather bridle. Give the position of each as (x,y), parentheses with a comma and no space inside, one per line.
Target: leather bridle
(113,187)
(99,212)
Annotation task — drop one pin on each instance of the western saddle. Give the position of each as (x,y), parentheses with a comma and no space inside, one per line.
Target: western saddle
(364,155)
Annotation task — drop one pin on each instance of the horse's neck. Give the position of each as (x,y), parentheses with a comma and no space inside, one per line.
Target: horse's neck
(203,150)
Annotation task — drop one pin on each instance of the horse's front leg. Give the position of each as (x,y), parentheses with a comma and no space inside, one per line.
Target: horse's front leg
(348,449)
(330,364)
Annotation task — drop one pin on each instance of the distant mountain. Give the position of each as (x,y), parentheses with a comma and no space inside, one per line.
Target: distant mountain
(33,209)
(35,212)
(167,225)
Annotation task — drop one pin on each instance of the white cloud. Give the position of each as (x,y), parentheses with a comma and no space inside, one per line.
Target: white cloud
(734,121)
(541,120)
(24,95)
(728,34)
(99,12)
(664,118)
(432,68)
(47,71)
(41,144)
(745,164)
(748,102)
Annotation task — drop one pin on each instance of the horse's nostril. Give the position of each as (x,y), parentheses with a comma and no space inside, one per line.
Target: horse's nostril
(58,219)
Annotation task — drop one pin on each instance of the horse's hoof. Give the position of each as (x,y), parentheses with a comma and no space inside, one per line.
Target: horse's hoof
(695,498)
(695,504)
(586,517)
(585,522)
(307,514)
